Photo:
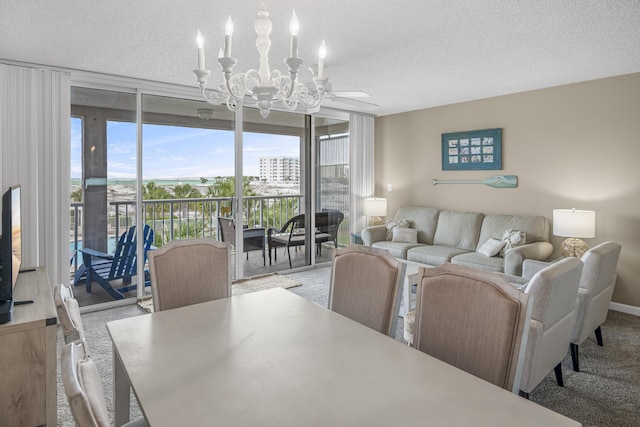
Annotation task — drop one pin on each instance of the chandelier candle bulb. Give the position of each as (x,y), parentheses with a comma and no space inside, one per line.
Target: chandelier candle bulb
(322,52)
(200,44)
(294,28)
(228,31)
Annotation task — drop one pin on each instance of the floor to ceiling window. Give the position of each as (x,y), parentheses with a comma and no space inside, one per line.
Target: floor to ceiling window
(199,170)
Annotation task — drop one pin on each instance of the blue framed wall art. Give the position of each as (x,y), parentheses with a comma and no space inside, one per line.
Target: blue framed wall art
(472,150)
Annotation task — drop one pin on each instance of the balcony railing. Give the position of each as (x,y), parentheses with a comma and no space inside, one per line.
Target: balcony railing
(190,218)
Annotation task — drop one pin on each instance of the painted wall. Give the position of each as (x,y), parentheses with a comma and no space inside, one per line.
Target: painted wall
(574,146)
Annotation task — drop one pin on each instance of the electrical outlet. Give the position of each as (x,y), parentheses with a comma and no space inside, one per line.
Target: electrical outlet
(389,188)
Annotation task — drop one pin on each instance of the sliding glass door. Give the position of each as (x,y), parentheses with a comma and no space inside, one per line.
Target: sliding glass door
(196,169)
(103,191)
(273,152)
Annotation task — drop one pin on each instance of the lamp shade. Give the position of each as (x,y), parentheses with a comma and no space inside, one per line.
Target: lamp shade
(375,206)
(574,223)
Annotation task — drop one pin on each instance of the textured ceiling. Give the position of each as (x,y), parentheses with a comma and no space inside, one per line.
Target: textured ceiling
(407,54)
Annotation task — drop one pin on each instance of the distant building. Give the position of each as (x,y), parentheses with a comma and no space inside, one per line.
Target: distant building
(279,169)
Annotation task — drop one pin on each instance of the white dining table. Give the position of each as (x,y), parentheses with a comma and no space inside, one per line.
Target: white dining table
(273,358)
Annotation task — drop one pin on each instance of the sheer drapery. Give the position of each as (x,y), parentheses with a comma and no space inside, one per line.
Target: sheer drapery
(362,174)
(34,153)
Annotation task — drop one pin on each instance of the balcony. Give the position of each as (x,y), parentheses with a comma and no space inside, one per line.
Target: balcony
(197,217)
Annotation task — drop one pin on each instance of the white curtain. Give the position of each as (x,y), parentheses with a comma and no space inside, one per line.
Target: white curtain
(35,154)
(362,163)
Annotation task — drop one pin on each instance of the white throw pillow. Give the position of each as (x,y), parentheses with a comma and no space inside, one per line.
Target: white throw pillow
(393,224)
(492,247)
(405,235)
(512,238)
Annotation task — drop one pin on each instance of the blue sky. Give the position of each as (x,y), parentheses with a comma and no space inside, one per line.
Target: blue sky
(174,152)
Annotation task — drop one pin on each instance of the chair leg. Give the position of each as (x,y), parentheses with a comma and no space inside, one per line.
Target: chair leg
(524,394)
(598,333)
(558,372)
(79,274)
(110,289)
(289,253)
(574,357)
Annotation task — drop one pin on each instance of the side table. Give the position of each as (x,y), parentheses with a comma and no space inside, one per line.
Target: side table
(356,239)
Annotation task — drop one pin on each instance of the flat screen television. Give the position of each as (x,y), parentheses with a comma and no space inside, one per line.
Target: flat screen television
(10,250)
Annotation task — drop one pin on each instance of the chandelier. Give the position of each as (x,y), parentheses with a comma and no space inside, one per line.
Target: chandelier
(264,86)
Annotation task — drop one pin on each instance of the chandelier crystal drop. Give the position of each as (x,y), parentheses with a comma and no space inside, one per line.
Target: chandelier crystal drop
(265,86)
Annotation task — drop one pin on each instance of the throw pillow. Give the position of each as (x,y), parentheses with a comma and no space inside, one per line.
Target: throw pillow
(492,247)
(392,224)
(512,238)
(405,235)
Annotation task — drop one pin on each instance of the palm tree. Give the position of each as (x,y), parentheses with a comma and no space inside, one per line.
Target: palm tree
(186,191)
(76,196)
(225,186)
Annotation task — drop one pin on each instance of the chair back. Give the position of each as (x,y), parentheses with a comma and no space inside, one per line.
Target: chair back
(474,320)
(125,258)
(83,387)
(597,284)
(327,225)
(554,290)
(185,272)
(68,313)
(365,286)
(291,233)
(227,230)
(294,225)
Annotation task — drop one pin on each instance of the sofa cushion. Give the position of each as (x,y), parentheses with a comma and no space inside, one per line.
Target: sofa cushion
(395,223)
(405,235)
(433,254)
(512,239)
(397,249)
(492,247)
(493,225)
(457,229)
(425,220)
(482,262)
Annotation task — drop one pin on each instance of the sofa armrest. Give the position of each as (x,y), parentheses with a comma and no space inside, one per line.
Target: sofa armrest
(514,257)
(531,266)
(373,234)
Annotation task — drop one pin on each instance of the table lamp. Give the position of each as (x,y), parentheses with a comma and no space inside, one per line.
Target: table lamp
(375,208)
(574,224)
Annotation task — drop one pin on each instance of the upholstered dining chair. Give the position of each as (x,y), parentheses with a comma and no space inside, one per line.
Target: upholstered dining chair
(69,314)
(474,320)
(365,286)
(555,291)
(594,294)
(83,388)
(185,272)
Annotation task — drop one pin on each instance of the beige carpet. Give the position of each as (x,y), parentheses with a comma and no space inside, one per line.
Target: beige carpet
(244,286)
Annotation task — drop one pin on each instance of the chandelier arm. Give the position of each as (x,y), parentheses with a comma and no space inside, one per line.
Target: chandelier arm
(237,86)
(215,97)
(288,87)
(253,79)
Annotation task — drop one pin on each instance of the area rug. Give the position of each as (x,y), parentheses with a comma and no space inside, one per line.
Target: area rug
(244,286)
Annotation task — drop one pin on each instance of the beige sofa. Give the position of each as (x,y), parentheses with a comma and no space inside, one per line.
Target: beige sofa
(456,236)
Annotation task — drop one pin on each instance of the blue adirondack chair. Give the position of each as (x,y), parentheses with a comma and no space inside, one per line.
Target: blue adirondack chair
(104,268)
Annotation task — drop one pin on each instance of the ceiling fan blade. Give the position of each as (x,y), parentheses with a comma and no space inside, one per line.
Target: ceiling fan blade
(354,102)
(350,94)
